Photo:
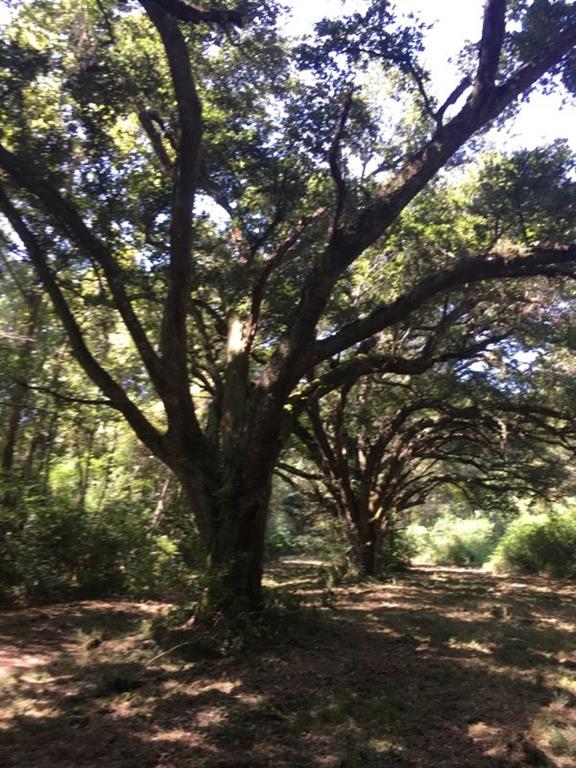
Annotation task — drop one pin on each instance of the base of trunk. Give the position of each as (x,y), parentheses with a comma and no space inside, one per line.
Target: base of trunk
(231,591)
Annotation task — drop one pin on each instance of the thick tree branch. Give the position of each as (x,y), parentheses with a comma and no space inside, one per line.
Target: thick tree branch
(101,378)
(174,343)
(149,123)
(298,472)
(540,261)
(185,180)
(477,111)
(191,13)
(286,477)
(365,364)
(462,86)
(493,29)
(294,354)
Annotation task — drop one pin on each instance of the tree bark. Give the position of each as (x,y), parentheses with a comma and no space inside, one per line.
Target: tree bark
(370,550)
(236,546)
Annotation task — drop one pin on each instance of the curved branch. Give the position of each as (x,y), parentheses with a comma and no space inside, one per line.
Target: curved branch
(541,261)
(148,120)
(174,341)
(365,364)
(453,97)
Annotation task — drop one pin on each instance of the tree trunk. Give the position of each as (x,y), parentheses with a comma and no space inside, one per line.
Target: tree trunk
(230,499)
(236,557)
(236,550)
(369,552)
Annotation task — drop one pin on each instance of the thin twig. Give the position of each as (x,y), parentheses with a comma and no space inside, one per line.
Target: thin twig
(65,398)
(419,80)
(170,650)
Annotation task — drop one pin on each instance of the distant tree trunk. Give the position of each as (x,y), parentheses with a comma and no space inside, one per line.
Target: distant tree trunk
(161,502)
(110,458)
(84,465)
(46,443)
(19,396)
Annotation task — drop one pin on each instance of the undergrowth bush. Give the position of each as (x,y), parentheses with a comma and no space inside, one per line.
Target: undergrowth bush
(318,536)
(453,541)
(397,549)
(54,551)
(544,544)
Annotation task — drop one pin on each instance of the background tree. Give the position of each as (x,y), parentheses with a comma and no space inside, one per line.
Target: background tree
(388,443)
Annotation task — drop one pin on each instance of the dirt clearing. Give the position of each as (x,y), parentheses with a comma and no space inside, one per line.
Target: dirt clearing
(440,668)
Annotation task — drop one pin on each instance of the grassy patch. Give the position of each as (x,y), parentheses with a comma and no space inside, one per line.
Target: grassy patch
(555,729)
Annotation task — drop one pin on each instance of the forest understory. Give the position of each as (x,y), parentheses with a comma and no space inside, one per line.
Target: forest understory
(440,667)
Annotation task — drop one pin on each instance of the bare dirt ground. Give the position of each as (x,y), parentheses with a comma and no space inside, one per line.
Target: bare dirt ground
(438,669)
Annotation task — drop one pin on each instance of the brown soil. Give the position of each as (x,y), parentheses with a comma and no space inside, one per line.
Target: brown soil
(438,669)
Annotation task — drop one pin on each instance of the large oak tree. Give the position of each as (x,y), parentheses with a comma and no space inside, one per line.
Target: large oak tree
(129,125)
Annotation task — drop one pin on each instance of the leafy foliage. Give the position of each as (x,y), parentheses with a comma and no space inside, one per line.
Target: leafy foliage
(544,544)
(453,541)
(61,552)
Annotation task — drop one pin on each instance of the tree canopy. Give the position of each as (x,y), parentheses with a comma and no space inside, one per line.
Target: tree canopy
(230,225)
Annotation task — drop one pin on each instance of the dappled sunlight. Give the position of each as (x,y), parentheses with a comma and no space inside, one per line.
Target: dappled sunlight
(11,662)
(411,673)
(487,737)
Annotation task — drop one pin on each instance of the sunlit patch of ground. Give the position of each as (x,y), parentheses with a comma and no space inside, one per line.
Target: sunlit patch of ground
(449,668)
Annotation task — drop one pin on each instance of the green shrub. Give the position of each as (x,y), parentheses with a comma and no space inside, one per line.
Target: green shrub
(453,541)
(280,535)
(56,551)
(544,544)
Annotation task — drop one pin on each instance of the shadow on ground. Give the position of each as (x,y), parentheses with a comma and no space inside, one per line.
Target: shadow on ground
(441,668)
